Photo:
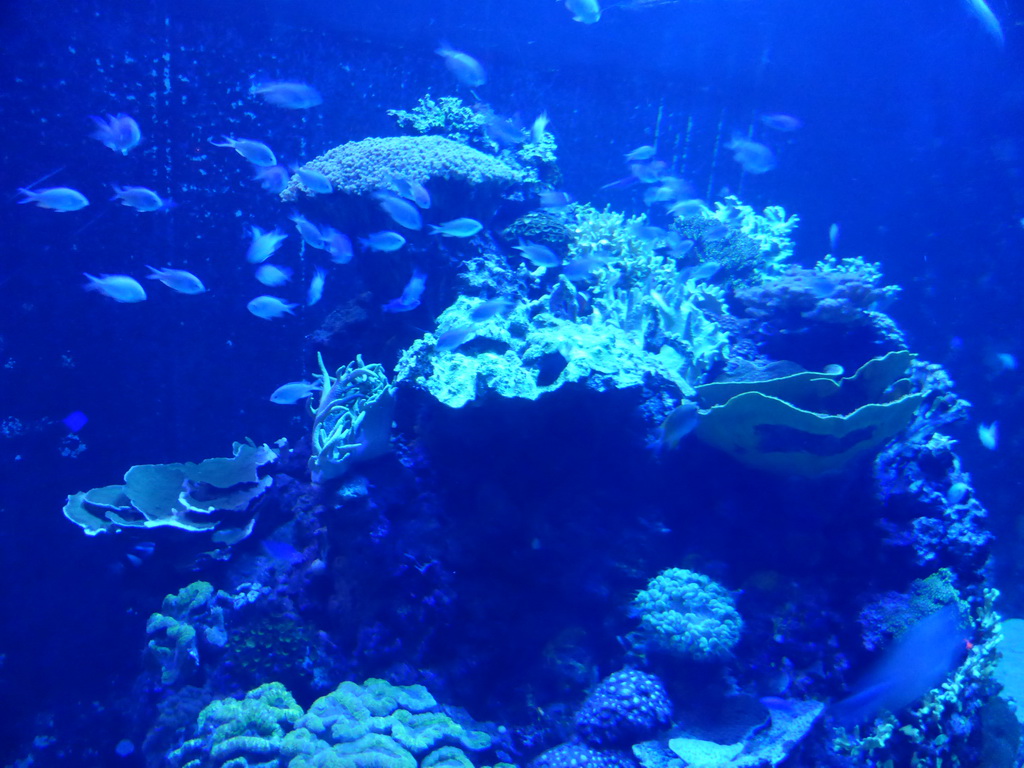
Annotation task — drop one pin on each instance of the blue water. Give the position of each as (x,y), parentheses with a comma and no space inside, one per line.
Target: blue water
(494,556)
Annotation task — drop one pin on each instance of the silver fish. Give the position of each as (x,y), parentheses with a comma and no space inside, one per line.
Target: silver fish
(463,227)
(466,69)
(122,288)
(288,95)
(177,279)
(60,199)
(119,132)
(256,152)
(270,307)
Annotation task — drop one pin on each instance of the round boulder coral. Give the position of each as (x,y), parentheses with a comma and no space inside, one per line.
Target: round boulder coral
(573,755)
(627,707)
(687,613)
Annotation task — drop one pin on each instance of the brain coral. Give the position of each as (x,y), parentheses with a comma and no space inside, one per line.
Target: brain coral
(688,613)
(359,167)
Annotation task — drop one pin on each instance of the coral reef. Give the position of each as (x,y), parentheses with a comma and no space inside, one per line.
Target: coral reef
(627,707)
(212,496)
(689,614)
(373,723)
(810,423)
(361,167)
(352,421)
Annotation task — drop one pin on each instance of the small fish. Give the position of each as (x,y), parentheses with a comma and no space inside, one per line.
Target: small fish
(648,172)
(717,231)
(783,123)
(988,434)
(646,152)
(584,11)
(753,156)
(256,152)
(273,275)
(402,212)
(119,132)
(833,238)
(273,179)
(410,298)
(294,391)
(177,279)
(540,255)
(75,420)
(263,245)
(466,69)
(678,424)
(583,267)
(481,313)
(288,95)
(386,241)
(337,244)
(539,128)
(412,190)
(1006,361)
(270,307)
(505,131)
(702,272)
(141,199)
(60,199)
(122,288)
(457,228)
(454,337)
(555,199)
(316,287)
(989,22)
(314,180)
(308,231)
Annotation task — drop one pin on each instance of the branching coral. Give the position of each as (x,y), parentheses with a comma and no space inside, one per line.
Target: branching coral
(352,421)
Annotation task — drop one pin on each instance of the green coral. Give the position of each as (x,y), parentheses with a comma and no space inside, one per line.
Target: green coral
(352,421)
(687,613)
(373,725)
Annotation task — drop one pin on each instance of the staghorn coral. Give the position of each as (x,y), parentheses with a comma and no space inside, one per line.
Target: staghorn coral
(361,167)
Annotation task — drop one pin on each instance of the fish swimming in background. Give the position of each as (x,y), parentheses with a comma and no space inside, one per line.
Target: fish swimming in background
(121,288)
(337,244)
(466,69)
(263,245)
(294,391)
(178,280)
(677,425)
(308,231)
(119,132)
(272,275)
(412,191)
(540,255)
(60,199)
(256,152)
(463,227)
(491,308)
(273,179)
(288,95)
(989,22)
(988,434)
(554,199)
(640,154)
(753,156)
(141,199)
(270,307)
(75,420)
(385,241)
(915,663)
(454,338)
(410,298)
(584,11)
(783,123)
(314,180)
(401,211)
(539,128)
(316,286)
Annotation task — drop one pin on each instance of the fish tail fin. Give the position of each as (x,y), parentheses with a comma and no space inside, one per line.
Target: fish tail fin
(29,195)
